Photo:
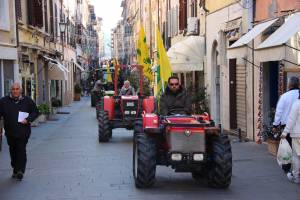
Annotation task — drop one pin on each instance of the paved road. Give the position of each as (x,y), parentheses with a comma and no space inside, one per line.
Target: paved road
(66,162)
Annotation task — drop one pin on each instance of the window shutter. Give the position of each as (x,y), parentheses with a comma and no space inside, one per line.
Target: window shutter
(46,15)
(182,14)
(169,22)
(19,9)
(30,12)
(51,18)
(38,13)
(174,22)
(55,21)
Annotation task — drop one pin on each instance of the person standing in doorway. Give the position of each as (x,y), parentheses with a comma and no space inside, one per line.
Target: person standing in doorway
(18,112)
(283,109)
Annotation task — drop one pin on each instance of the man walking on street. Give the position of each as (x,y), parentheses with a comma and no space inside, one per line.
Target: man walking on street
(18,112)
(283,109)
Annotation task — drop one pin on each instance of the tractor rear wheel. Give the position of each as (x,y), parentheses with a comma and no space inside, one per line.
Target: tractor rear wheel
(144,161)
(99,107)
(219,175)
(138,127)
(104,131)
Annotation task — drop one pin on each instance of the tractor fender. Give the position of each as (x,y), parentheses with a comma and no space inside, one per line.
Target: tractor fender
(150,120)
(109,106)
(149,104)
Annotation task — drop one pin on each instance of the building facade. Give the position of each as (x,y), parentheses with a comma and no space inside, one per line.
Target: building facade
(9,65)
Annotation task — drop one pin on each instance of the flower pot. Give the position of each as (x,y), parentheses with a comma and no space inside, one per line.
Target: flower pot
(273,146)
(42,118)
(77,96)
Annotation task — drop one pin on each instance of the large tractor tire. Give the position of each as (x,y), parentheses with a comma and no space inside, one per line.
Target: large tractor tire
(219,175)
(138,128)
(93,100)
(99,107)
(104,130)
(144,161)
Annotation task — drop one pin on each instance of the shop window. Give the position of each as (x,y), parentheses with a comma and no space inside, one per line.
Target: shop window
(8,72)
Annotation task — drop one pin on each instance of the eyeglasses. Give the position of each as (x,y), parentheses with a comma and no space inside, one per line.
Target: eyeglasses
(173,84)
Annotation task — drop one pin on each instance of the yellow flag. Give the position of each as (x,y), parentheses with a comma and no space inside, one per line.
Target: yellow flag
(164,70)
(108,77)
(143,54)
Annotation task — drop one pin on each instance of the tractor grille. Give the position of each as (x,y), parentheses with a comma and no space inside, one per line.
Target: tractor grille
(130,108)
(179,142)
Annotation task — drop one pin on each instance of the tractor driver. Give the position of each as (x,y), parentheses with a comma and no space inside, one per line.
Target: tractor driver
(127,89)
(175,99)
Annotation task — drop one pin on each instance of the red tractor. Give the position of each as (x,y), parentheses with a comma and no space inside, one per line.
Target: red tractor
(122,111)
(186,143)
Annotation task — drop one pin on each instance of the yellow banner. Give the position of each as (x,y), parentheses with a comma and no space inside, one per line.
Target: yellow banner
(143,57)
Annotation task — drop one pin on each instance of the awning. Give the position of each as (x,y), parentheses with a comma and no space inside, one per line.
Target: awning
(253,33)
(283,33)
(187,55)
(79,67)
(57,71)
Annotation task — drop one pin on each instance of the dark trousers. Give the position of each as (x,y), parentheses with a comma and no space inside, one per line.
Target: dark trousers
(17,150)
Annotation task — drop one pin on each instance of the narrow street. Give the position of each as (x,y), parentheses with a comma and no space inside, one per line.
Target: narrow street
(65,161)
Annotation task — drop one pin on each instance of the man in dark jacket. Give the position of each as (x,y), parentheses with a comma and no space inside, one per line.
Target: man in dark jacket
(175,100)
(18,112)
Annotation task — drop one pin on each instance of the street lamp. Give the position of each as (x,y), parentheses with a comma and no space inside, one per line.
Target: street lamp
(62,27)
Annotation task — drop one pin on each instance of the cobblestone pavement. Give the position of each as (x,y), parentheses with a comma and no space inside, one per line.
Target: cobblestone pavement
(66,162)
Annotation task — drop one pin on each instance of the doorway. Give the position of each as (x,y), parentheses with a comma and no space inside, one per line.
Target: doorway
(270,90)
(232,93)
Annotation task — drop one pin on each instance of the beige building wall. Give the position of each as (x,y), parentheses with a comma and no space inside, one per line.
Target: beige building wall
(8,46)
(216,41)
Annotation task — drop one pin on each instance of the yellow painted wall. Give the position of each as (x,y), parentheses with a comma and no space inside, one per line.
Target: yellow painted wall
(213,5)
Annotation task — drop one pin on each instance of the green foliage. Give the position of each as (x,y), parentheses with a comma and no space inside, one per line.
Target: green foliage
(44,109)
(199,100)
(77,88)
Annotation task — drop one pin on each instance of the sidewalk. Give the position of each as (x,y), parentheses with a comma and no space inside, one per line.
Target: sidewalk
(65,161)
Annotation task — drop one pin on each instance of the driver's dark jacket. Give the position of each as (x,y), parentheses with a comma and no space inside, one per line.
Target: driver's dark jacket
(175,103)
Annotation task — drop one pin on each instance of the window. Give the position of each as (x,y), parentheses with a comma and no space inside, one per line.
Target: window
(193,8)
(4,15)
(182,14)
(18,9)
(35,13)
(46,15)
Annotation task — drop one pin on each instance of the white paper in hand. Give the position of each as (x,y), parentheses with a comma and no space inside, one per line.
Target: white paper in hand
(22,116)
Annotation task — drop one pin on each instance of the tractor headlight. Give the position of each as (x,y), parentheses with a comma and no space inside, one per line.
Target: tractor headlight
(198,157)
(176,157)
(133,112)
(126,112)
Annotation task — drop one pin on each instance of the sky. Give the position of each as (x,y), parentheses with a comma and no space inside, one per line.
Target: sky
(110,11)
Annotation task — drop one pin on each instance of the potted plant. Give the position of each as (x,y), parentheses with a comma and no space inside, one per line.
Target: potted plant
(55,103)
(44,111)
(77,92)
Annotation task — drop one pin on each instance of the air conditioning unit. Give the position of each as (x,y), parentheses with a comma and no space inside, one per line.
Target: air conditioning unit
(192,26)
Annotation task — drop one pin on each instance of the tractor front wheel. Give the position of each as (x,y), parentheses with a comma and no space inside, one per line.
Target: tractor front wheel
(104,131)
(220,172)
(144,161)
